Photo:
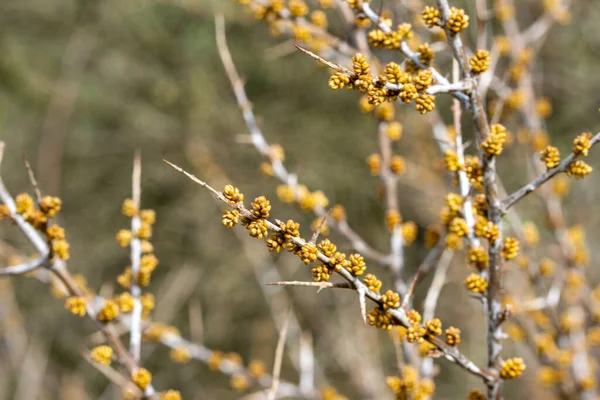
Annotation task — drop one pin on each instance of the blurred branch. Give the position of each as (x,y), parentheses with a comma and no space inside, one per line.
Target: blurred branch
(25,267)
(61,106)
(135,341)
(278,358)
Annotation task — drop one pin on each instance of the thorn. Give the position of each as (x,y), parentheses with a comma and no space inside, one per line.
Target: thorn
(320,59)
(411,289)
(315,236)
(363,304)
(34,183)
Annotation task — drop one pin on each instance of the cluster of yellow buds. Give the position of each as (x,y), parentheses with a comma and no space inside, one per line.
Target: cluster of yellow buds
(510,248)
(76,305)
(452,336)
(581,147)
(486,229)
(474,171)
(157,330)
(458,226)
(480,62)
(390,299)
(476,283)
(452,161)
(550,156)
(108,312)
(372,283)
(48,207)
(434,327)
(392,219)
(494,143)
(356,264)
(102,354)
(142,378)
(380,319)
(579,169)
(458,21)
(170,395)
(431,16)
(406,87)
(180,355)
(409,232)
(409,386)
(391,40)
(475,394)
(479,257)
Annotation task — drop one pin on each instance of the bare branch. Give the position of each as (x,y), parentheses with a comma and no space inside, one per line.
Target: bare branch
(399,315)
(135,341)
(25,267)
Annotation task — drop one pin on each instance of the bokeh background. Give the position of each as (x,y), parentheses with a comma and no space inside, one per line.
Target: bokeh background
(84,84)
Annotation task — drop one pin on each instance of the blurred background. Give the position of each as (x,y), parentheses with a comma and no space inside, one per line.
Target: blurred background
(84,84)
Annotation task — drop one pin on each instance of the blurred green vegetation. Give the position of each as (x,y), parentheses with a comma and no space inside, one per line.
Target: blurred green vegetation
(83,84)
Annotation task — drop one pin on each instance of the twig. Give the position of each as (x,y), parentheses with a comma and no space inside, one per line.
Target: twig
(431,300)
(29,231)
(135,340)
(204,355)
(439,279)
(315,236)
(25,267)
(112,375)
(362,302)
(278,359)
(307,363)
(34,182)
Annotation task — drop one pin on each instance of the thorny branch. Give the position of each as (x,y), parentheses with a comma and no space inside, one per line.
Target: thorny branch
(399,315)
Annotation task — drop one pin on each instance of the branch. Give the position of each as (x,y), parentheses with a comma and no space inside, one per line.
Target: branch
(278,358)
(439,279)
(399,315)
(135,340)
(389,180)
(414,57)
(25,267)
(540,180)
(36,240)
